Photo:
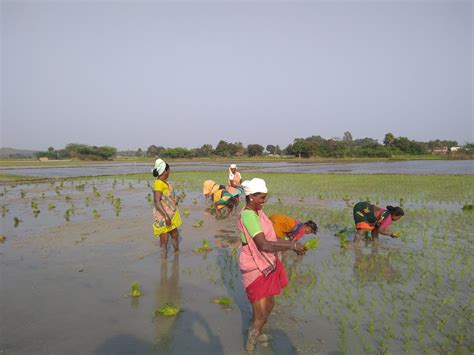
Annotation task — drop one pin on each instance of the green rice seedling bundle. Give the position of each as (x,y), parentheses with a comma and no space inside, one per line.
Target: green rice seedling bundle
(135,290)
(225,301)
(168,310)
(198,223)
(204,248)
(311,244)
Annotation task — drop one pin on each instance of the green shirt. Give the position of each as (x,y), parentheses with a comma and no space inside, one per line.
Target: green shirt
(251,222)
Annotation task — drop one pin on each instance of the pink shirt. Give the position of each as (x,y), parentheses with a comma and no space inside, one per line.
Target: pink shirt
(387,221)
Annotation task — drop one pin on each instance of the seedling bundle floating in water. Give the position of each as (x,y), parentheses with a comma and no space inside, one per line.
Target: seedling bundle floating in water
(225,301)
(204,248)
(168,310)
(135,290)
(198,223)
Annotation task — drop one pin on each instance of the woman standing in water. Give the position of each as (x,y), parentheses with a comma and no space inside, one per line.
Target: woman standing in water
(166,214)
(263,274)
(234,180)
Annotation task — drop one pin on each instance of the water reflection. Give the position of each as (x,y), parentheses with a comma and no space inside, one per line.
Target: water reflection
(449,167)
(168,291)
(371,265)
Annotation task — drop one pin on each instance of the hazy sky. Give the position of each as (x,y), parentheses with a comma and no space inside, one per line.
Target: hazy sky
(134,73)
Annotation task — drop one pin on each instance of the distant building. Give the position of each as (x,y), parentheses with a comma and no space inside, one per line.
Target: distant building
(454,149)
(439,150)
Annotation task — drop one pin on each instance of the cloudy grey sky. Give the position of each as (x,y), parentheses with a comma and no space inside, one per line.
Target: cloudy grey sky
(134,73)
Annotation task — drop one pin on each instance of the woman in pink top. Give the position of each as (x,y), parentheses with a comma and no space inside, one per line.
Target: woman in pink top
(263,274)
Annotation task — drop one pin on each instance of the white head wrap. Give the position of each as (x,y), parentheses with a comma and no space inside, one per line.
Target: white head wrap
(253,186)
(160,166)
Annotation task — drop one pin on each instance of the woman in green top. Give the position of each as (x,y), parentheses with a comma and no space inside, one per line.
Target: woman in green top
(263,274)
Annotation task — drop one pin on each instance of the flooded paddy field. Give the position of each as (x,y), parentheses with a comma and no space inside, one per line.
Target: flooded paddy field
(74,247)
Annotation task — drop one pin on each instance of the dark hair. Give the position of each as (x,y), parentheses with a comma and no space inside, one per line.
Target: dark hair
(395,211)
(155,172)
(312,225)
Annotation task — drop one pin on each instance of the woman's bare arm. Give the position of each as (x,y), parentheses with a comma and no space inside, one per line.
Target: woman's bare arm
(281,245)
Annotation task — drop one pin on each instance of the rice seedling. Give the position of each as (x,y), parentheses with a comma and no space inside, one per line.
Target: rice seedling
(43,195)
(311,244)
(186,212)
(130,186)
(95,214)
(51,206)
(3,210)
(2,238)
(58,191)
(198,223)
(16,221)
(195,201)
(135,290)
(225,301)
(67,214)
(67,198)
(22,193)
(168,310)
(117,206)
(148,198)
(204,248)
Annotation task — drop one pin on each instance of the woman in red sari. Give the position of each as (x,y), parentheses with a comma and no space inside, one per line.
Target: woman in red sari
(263,274)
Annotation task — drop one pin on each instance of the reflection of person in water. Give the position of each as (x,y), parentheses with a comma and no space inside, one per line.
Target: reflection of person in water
(373,266)
(167,292)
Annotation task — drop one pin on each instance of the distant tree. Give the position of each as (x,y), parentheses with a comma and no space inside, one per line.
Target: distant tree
(176,153)
(288,150)
(139,152)
(254,150)
(87,152)
(389,139)
(204,151)
(347,137)
(236,148)
(298,148)
(154,151)
(278,150)
(271,149)
(222,149)
(50,149)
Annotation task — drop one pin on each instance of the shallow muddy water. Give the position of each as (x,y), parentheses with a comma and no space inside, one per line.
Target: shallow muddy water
(65,284)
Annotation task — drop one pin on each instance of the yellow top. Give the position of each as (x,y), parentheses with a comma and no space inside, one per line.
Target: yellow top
(162,186)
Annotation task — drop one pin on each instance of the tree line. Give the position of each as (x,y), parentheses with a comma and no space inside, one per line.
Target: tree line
(79,151)
(314,146)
